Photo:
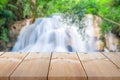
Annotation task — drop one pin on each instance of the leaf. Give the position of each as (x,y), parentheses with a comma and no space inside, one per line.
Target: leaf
(1,6)
(12,6)
(9,13)
(4,36)
(2,21)
(3,2)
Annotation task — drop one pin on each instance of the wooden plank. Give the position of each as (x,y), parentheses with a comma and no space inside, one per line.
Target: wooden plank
(118,53)
(114,57)
(66,66)
(34,67)
(1,53)
(98,67)
(8,63)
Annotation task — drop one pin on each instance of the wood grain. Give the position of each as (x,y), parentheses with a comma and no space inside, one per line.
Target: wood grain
(34,67)
(98,67)
(114,57)
(66,66)
(8,63)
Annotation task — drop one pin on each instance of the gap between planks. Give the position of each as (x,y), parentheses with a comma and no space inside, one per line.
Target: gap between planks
(82,65)
(49,65)
(66,66)
(90,60)
(55,53)
(37,67)
(10,60)
(115,59)
(18,65)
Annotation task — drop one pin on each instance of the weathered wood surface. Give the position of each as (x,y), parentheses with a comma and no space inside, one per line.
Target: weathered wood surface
(34,67)
(98,67)
(59,66)
(8,63)
(113,57)
(66,66)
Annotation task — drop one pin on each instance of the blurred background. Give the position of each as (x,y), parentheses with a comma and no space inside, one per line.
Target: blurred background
(102,16)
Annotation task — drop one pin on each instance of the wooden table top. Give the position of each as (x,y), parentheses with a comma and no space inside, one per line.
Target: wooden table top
(59,66)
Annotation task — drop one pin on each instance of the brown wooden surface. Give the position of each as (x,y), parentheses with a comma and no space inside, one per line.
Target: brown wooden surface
(8,63)
(34,67)
(118,53)
(98,67)
(59,66)
(66,66)
(114,57)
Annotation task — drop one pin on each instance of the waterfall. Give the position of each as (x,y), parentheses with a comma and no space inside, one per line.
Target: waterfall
(52,34)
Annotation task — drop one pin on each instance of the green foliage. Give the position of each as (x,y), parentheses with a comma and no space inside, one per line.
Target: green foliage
(110,11)
(104,8)
(4,11)
(105,27)
(28,8)
(42,8)
(2,21)
(5,15)
(4,35)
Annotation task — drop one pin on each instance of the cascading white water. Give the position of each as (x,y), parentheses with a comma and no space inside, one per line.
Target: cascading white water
(52,35)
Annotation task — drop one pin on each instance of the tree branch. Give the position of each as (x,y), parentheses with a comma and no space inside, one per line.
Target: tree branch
(111,21)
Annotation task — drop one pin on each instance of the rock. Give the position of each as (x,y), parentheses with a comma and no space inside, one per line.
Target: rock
(97,33)
(99,45)
(18,25)
(2,45)
(97,29)
(15,30)
(34,1)
(116,31)
(93,24)
(9,45)
(112,42)
(5,46)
